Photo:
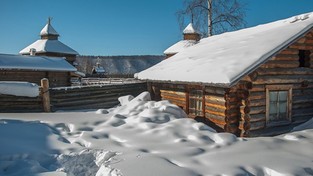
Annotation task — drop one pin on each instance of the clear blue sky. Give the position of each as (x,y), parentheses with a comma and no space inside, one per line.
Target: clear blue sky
(116,27)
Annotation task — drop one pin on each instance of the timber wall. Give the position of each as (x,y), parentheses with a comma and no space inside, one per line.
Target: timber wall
(56,79)
(220,111)
(283,69)
(92,97)
(73,98)
(10,103)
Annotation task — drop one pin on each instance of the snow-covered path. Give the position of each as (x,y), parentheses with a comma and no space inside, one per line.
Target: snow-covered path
(143,137)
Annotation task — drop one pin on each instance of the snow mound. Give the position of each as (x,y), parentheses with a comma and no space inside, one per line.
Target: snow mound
(142,137)
(19,88)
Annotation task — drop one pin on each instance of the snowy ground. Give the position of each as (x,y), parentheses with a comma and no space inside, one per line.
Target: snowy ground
(143,138)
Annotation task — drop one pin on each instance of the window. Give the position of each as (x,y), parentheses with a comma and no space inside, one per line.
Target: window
(278,105)
(304,58)
(196,103)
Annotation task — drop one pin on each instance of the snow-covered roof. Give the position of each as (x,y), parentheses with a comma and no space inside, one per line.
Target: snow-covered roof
(179,46)
(226,58)
(48,30)
(41,63)
(45,45)
(99,69)
(190,29)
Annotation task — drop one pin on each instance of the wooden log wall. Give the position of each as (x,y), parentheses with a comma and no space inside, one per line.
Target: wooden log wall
(216,107)
(92,97)
(176,94)
(283,69)
(56,79)
(10,104)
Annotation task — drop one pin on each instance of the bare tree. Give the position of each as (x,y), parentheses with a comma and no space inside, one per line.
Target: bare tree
(212,17)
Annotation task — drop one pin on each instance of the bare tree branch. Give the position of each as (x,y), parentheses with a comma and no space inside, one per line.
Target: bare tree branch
(212,17)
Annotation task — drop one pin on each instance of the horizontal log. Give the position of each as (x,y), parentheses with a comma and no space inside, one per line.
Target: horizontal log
(90,97)
(220,122)
(257,125)
(302,92)
(257,96)
(167,97)
(216,99)
(89,106)
(257,102)
(284,71)
(302,106)
(302,112)
(214,90)
(299,46)
(257,117)
(283,79)
(280,64)
(84,102)
(258,110)
(173,92)
(286,57)
(289,51)
(217,106)
(90,93)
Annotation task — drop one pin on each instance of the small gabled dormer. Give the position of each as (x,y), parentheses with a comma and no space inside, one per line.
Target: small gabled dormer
(48,32)
(190,33)
(191,37)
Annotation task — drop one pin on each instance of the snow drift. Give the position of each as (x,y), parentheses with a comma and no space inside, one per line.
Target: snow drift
(142,137)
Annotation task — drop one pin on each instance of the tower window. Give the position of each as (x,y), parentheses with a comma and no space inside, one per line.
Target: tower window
(304,58)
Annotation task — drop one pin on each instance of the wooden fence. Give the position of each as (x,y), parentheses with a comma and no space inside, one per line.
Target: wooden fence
(71,98)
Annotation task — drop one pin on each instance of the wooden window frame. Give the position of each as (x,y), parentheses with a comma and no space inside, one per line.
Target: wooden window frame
(197,88)
(289,104)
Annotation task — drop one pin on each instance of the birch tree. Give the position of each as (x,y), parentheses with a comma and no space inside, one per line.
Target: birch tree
(212,17)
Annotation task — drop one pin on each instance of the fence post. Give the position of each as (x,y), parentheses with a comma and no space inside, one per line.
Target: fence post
(45,95)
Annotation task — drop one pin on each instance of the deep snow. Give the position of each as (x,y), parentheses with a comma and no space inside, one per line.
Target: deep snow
(143,137)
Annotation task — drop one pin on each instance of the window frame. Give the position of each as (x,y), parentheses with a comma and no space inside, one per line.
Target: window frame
(202,99)
(287,88)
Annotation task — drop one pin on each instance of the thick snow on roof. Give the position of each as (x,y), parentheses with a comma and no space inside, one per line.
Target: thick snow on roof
(42,63)
(225,58)
(48,30)
(190,29)
(44,45)
(180,46)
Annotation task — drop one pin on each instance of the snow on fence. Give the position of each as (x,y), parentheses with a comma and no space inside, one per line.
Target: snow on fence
(101,81)
(70,98)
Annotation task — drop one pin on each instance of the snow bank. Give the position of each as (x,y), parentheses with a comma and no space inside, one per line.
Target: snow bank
(142,137)
(19,88)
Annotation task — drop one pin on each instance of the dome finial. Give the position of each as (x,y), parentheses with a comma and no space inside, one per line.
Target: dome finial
(49,20)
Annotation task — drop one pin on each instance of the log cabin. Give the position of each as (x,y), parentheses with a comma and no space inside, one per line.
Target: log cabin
(190,38)
(49,45)
(251,82)
(34,68)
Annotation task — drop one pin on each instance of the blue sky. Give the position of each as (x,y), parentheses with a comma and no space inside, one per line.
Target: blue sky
(116,27)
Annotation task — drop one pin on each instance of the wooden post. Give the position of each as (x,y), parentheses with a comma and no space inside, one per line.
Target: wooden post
(45,95)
